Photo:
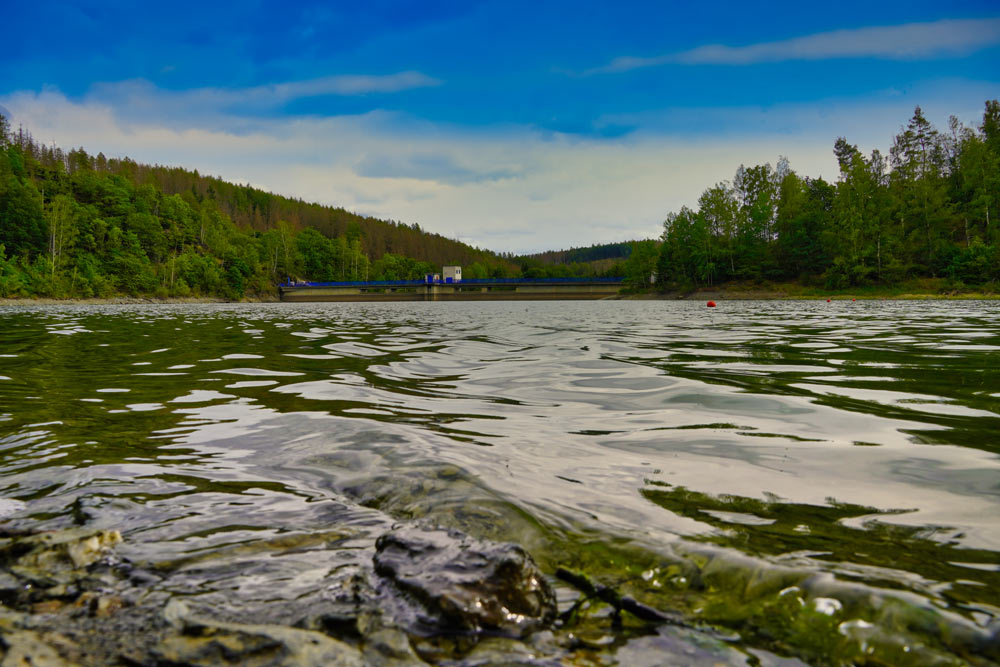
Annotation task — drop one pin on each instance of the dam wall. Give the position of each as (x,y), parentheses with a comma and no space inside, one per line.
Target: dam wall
(468,290)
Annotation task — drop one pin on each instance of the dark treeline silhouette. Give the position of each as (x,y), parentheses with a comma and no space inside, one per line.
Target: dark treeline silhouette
(608,259)
(74,224)
(594,253)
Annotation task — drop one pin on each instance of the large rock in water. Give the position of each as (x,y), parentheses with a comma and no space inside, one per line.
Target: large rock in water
(465,585)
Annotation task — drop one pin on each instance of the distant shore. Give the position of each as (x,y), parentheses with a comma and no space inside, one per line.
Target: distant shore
(921,289)
(767,295)
(121,300)
(926,289)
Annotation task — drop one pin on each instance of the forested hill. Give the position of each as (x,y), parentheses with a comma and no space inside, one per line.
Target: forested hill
(608,259)
(593,253)
(254,209)
(74,224)
(928,209)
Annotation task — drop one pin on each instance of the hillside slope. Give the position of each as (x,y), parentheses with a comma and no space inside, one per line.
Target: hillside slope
(78,225)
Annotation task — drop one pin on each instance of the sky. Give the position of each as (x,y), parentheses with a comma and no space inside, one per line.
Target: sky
(513,126)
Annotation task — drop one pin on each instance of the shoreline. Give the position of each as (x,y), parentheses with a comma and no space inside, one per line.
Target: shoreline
(768,295)
(924,289)
(121,301)
(714,294)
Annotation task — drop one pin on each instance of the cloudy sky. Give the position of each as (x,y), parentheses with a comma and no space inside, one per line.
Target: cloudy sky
(516,126)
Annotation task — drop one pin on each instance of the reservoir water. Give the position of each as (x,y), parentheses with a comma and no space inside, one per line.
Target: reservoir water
(805,480)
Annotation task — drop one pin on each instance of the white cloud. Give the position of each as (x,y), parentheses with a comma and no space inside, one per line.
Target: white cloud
(510,189)
(352,85)
(949,37)
(870,121)
(146,100)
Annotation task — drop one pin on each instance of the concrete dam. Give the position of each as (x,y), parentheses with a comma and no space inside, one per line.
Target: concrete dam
(486,289)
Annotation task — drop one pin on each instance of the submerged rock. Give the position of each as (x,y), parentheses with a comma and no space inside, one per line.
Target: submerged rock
(26,647)
(672,645)
(389,647)
(60,550)
(201,641)
(464,585)
(45,567)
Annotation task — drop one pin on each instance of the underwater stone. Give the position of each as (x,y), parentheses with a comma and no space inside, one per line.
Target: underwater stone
(389,647)
(465,585)
(683,646)
(40,567)
(26,647)
(202,641)
(74,548)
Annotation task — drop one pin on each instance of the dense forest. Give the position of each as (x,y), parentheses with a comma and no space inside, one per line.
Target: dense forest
(594,253)
(78,225)
(608,259)
(928,209)
(73,224)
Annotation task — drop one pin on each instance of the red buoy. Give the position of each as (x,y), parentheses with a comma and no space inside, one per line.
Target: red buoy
(828,301)
(711,304)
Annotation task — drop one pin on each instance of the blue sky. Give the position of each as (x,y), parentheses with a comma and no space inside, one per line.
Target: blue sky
(514,126)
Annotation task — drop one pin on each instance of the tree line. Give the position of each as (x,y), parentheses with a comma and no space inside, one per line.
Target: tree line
(594,253)
(78,225)
(73,224)
(927,209)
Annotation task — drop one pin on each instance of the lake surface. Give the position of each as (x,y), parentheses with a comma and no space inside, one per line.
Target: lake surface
(712,461)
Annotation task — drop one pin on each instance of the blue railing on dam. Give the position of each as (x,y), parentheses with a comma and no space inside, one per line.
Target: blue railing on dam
(468,281)
(528,281)
(356,283)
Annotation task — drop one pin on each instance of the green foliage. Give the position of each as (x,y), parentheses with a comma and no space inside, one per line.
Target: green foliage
(640,268)
(595,253)
(237,273)
(22,224)
(976,264)
(541,266)
(686,257)
(75,225)
(321,258)
(397,267)
(72,224)
(11,283)
(201,274)
(130,266)
(804,212)
(476,271)
(930,209)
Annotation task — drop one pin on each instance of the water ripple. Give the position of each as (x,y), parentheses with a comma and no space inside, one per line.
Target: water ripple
(767,428)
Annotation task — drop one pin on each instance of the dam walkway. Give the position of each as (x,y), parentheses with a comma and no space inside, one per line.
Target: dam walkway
(487,289)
